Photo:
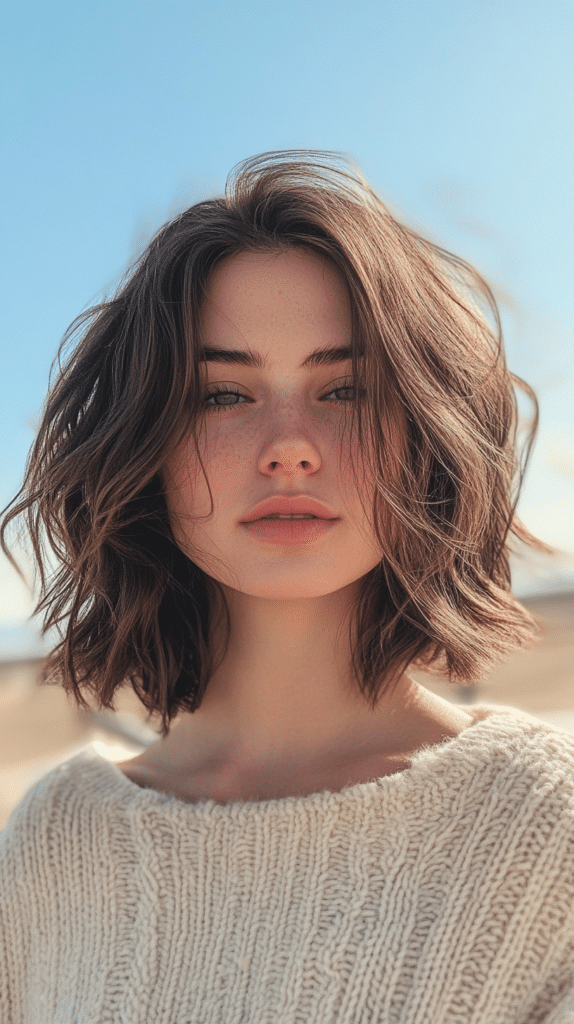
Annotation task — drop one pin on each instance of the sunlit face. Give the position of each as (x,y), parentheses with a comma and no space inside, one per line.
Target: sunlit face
(279,432)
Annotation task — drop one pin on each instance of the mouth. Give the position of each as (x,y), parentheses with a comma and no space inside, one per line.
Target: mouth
(277,515)
(284,507)
(289,530)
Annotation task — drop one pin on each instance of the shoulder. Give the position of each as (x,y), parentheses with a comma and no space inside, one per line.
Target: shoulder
(33,862)
(59,875)
(527,740)
(509,769)
(501,727)
(66,811)
(521,768)
(45,798)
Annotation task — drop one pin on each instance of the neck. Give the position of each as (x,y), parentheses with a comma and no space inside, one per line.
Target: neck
(285,691)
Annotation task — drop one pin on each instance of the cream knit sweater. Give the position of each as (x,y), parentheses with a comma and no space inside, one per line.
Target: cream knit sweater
(441,894)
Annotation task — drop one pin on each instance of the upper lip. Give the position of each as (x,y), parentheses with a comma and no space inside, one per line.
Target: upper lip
(285,505)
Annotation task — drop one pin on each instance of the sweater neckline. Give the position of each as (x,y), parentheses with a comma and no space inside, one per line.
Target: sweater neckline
(423,763)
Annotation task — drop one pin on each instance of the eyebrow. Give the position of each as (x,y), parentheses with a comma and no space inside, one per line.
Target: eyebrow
(246,357)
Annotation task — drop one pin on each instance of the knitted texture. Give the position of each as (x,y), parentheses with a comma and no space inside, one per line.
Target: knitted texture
(441,894)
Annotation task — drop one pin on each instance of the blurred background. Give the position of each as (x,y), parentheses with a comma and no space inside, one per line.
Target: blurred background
(117,115)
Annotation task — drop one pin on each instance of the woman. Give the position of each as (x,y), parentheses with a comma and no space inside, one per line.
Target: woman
(280,468)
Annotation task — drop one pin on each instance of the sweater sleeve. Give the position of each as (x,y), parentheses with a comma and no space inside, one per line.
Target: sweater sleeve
(23,843)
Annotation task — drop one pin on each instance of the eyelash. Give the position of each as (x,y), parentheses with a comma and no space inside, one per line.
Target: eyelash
(231,391)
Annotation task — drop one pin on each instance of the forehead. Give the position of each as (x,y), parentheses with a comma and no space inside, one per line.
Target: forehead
(264,297)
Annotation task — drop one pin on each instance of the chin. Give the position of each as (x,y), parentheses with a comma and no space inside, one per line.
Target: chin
(308,586)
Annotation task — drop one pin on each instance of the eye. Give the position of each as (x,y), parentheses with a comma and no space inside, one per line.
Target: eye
(225,405)
(348,385)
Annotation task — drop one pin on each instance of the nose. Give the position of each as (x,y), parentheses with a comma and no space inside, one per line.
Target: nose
(290,459)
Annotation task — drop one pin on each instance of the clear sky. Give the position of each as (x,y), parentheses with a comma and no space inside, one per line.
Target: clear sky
(460,112)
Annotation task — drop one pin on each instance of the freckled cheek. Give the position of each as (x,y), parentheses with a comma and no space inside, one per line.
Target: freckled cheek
(226,466)
(185,483)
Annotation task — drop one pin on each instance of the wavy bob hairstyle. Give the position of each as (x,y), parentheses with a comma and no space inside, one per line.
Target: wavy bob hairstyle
(128,605)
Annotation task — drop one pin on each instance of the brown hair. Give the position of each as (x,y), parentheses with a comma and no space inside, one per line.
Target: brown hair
(129,605)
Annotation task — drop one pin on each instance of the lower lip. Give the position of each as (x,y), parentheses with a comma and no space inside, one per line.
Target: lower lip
(290,531)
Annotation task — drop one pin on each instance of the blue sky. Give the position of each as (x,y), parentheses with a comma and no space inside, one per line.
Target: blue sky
(118,114)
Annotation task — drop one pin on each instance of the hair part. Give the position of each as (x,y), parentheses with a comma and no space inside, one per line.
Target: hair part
(437,426)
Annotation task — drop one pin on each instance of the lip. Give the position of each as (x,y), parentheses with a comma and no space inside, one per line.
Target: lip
(289,531)
(292,504)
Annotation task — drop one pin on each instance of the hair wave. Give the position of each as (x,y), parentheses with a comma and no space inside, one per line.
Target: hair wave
(438,427)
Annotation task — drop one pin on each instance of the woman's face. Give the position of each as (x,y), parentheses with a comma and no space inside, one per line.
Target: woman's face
(279,432)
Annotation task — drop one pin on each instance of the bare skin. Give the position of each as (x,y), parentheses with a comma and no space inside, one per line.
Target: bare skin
(191,765)
(282,715)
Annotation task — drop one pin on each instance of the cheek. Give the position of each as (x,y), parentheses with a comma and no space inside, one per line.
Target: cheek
(186,483)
